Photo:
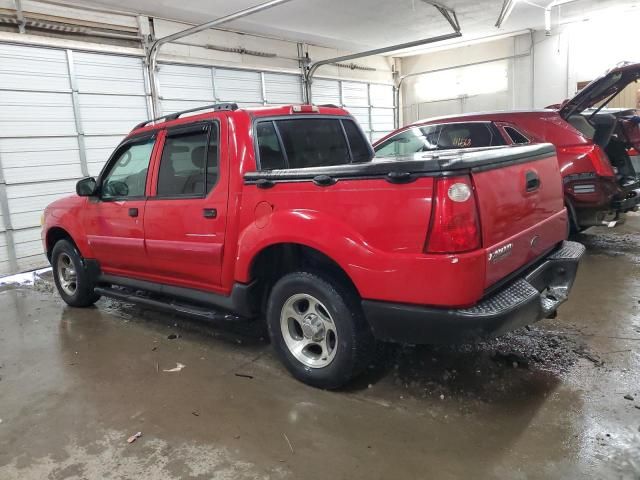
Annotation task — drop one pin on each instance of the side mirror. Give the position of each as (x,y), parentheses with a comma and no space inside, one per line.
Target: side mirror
(87,187)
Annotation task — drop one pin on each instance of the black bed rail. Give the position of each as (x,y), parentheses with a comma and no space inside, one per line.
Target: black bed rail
(216,107)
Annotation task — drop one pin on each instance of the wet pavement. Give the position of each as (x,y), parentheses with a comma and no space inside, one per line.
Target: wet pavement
(558,400)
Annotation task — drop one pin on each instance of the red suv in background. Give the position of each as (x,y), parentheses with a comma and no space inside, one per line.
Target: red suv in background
(595,148)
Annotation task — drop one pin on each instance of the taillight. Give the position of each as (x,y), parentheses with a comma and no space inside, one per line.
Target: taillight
(596,155)
(454,219)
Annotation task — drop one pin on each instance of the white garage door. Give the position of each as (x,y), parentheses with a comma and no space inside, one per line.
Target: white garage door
(112,100)
(61,114)
(371,104)
(185,86)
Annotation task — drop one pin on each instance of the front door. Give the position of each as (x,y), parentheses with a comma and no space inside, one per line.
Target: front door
(186,215)
(114,220)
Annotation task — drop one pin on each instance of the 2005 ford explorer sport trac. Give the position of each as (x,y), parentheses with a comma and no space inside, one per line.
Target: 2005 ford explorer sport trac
(283,213)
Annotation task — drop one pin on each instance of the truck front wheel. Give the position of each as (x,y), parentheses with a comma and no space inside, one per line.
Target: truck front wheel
(69,275)
(318,329)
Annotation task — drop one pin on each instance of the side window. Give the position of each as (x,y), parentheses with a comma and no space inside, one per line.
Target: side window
(359,146)
(515,135)
(414,140)
(313,142)
(189,163)
(469,135)
(128,175)
(271,156)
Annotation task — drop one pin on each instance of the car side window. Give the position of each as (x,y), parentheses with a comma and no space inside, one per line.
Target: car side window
(128,175)
(413,140)
(515,135)
(469,135)
(189,163)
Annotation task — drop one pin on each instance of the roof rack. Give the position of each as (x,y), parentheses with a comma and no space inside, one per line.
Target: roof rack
(172,116)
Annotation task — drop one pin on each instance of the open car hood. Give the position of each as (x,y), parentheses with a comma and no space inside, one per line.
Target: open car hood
(608,85)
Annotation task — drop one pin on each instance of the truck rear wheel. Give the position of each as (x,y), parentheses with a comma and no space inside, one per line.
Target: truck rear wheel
(71,279)
(318,329)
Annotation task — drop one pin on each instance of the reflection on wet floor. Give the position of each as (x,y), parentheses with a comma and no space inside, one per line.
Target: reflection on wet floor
(543,402)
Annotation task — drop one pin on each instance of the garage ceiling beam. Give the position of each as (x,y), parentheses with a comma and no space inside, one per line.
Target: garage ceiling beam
(446,12)
(380,51)
(152,57)
(505,12)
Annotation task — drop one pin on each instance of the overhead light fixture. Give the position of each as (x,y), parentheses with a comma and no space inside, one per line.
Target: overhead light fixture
(547,21)
(507,8)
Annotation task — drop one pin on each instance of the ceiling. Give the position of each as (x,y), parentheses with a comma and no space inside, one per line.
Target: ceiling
(363,24)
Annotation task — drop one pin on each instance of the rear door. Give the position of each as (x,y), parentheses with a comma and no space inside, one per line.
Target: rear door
(186,215)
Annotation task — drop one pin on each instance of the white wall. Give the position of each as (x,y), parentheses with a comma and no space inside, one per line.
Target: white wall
(575,52)
(484,76)
(599,45)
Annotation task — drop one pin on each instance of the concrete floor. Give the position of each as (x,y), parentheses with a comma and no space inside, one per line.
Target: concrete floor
(548,402)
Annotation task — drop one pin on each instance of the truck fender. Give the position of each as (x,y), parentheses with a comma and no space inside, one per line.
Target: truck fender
(322,232)
(61,221)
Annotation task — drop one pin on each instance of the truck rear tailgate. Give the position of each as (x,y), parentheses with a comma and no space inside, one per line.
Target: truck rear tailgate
(522,211)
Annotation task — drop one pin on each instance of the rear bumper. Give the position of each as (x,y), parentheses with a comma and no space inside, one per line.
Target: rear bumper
(533,296)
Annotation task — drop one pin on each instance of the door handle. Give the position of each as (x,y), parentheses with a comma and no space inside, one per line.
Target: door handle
(324,180)
(209,213)
(264,183)
(133,212)
(532,181)
(399,177)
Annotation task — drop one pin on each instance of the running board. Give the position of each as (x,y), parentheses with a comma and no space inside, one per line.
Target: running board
(168,305)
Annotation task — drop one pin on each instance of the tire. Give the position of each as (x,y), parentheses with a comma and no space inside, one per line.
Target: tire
(72,280)
(323,339)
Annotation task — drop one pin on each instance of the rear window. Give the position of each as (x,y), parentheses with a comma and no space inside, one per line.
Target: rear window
(310,142)
(469,135)
(314,142)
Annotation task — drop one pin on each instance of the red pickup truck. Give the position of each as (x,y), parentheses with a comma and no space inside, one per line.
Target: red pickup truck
(283,213)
